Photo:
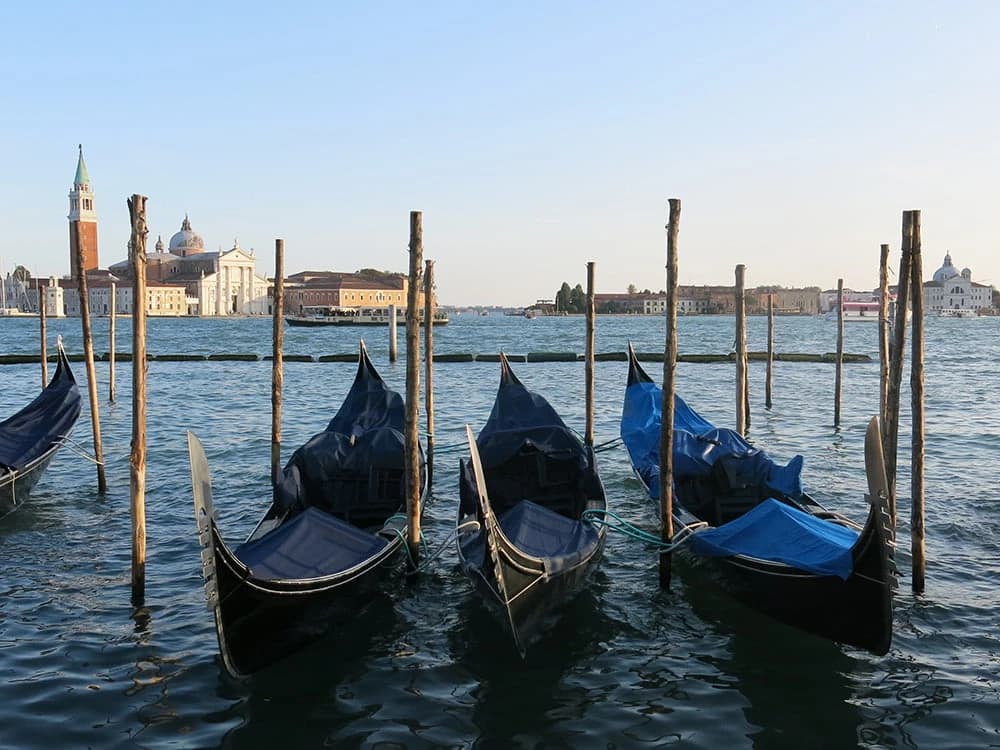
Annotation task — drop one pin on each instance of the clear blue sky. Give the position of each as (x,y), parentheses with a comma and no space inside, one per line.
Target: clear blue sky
(534,137)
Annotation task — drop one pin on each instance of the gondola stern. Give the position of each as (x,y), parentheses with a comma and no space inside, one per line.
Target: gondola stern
(635,372)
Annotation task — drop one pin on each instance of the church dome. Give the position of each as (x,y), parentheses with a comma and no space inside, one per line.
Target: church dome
(186,241)
(945,272)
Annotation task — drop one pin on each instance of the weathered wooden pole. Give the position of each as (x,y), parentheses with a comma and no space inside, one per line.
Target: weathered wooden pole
(589,358)
(277,361)
(88,353)
(111,346)
(770,350)
(412,437)
(41,330)
(392,333)
(839,376)
(140,367)
(741,351)
(429,305)
(667,422)
(896,364)
(883,337)
(917,410)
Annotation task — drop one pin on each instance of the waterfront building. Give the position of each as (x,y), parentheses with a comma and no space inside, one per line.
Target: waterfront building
(950,289)
(214,283)
(366,288)
(82,219)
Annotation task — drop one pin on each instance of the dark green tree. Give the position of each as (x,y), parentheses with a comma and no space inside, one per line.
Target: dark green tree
(577,300)
(563,298)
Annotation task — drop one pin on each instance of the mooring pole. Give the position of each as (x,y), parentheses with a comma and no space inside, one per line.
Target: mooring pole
(137,459)
(770,350)
(392,333)
(88,353)
(741,351)
(412,437)
(896,364)
(917,551)
(667,422)
(277,361)
(838,377)
(111,346)
(589,358)
(883,337)
(41,326)
(429,305)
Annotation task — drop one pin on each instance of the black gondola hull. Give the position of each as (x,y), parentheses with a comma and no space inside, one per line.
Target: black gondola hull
(16,487)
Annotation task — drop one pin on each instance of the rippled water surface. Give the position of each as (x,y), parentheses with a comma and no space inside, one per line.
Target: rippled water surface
(424,666)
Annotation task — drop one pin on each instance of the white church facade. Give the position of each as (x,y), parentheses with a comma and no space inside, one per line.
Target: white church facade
(952,291)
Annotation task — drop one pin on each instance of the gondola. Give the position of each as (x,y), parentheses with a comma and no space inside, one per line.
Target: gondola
(336,520)
(761,536)
(30,438)
(523,537)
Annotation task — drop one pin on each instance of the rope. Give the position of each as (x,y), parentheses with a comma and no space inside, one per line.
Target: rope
(608,445)
(423,542)
(81,451)
(600,517)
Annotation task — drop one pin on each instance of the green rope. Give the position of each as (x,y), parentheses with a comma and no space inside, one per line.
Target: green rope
(600,517)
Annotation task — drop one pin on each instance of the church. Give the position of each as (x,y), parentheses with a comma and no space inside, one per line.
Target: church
(950,290)
(215,283)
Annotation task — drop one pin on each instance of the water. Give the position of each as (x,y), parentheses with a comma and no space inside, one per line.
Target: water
(629,665)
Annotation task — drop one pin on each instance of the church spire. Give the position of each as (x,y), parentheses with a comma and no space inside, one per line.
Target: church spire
(82,178)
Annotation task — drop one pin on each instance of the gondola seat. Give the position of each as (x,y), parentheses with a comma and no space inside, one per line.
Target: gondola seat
(544,533)
(311,545)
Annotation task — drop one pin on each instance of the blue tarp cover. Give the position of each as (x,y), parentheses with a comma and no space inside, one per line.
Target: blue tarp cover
(698,444)
(311,545)
(778,532)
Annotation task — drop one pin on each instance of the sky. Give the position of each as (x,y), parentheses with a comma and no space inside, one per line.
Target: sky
(535,137)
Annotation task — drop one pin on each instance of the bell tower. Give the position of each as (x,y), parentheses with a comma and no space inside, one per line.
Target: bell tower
(82,214)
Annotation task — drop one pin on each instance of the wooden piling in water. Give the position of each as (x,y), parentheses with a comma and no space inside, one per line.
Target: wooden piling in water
(917,551)
(742,410)
(277,361)
(392,333)
(838,377)
(896,365)
(412,437)
(589,358)
(111,346)
(41,331)
(88,353)
(667,409)
(883,337)
(429,365)
(770,350)
(137,459)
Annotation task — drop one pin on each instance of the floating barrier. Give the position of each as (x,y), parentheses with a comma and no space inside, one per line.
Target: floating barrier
(458,357)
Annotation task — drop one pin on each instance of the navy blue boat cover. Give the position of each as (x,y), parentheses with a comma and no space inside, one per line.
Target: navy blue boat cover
(523,420)
(31,432)
(772,530)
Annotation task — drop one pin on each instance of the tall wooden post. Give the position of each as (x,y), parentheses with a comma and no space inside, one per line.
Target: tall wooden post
(412,437)
(137,459)
(277,361)
(111,345)
(838,378)
(896,364)
(88,353)
(917,410)
(741,351)
(589,358)
(429,364)
(883,337)
(667,422)
(41,330)
(392,333)
(770,350)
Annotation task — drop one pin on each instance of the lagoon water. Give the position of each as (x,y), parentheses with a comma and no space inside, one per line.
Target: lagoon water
(424,666)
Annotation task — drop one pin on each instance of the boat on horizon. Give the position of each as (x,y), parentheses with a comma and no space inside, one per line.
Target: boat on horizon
(336,315)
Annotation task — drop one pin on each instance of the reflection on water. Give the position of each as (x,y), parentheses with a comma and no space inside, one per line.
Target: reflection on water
(424,665)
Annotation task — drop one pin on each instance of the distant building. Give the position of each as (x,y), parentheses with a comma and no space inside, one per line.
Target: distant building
(82,220)
(214,283)
(341,289)
(950,289)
